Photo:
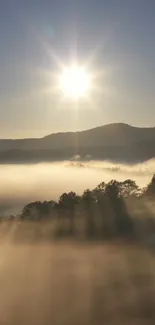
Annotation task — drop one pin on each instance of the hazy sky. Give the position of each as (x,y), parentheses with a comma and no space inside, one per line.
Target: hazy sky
(113,37)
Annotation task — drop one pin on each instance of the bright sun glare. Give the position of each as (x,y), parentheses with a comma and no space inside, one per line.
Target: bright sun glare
(75,82)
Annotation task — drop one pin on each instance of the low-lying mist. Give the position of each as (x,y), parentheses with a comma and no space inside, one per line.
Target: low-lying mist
(21,184)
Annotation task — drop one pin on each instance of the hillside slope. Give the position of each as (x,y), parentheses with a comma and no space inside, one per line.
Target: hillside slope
(116,141)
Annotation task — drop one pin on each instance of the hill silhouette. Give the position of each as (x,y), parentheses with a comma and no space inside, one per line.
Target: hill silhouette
(116,142)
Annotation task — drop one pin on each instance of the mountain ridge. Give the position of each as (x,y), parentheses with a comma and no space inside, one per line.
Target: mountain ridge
(116,141)
(119,124)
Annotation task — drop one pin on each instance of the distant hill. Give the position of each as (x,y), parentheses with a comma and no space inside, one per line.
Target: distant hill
(117,142)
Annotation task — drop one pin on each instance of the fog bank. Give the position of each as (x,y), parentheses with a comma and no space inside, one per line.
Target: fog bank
(22,183)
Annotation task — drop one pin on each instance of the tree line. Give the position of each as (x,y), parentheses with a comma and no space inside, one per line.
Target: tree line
(111,209)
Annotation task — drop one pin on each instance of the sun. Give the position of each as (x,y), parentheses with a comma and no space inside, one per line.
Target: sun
(75,82)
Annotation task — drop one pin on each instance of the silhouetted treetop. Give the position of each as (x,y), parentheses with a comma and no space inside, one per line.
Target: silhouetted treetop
(108,205)
(150,190)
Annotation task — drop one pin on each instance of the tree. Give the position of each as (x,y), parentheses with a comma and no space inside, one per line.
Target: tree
(100,188)
(115,191)
(112,190)
(110,199)
(102,208)
(150,190)
(125,189)
(37,210)
(67,204)
(89,200)
(128,188)
(30,211)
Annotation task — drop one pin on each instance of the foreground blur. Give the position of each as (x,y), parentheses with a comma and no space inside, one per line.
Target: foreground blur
(73,283)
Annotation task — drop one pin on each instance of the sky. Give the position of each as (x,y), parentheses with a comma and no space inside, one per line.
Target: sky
(114,39)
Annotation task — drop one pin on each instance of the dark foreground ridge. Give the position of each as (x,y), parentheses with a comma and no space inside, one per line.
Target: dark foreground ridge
(116,142)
